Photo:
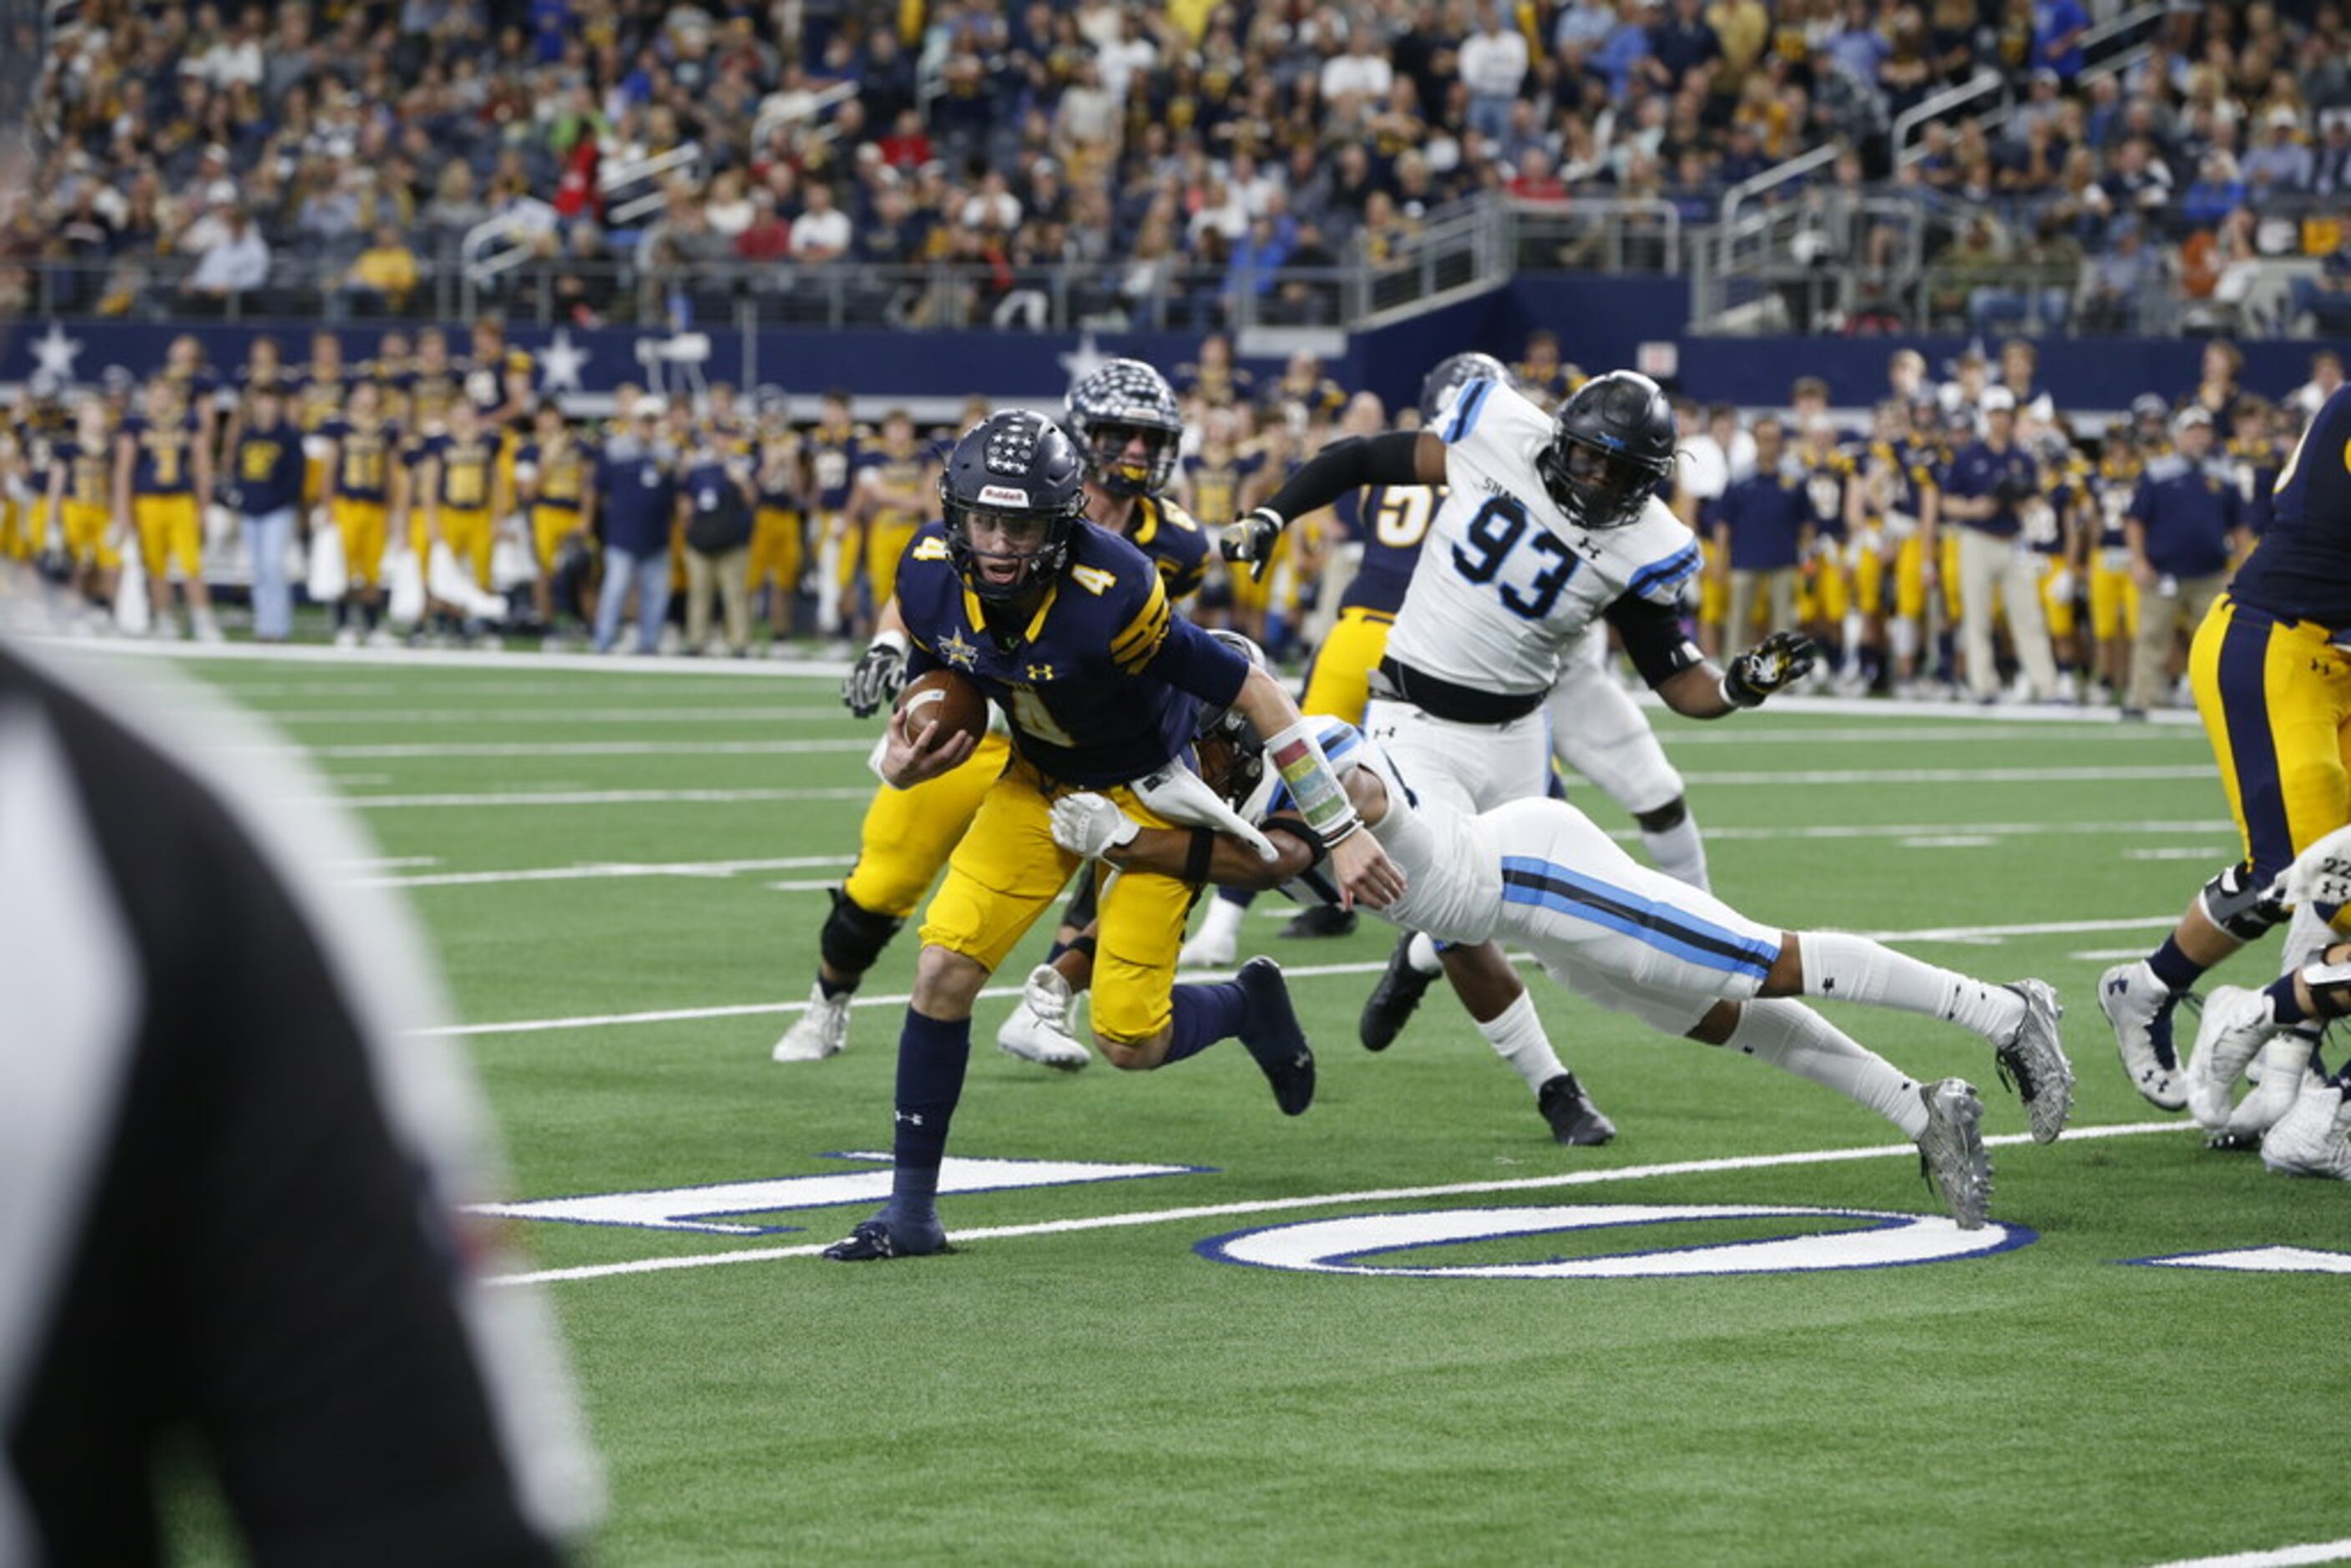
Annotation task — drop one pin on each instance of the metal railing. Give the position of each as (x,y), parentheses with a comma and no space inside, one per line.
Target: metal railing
(500,243)
(1813,265)
(771,116)
(653,173)
(2101,55)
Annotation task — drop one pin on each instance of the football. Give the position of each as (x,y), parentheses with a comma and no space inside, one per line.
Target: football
(944,697)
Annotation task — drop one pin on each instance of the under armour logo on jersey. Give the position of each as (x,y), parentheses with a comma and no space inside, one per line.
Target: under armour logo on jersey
(1040,672)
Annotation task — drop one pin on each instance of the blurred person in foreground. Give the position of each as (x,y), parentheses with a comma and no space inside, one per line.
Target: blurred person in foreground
(231,1168)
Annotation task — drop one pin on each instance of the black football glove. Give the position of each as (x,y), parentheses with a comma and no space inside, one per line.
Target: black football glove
(1252,540)
(873,684)
(1777,662)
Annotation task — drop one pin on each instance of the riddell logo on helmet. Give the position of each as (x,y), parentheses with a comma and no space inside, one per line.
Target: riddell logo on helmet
(1002,496)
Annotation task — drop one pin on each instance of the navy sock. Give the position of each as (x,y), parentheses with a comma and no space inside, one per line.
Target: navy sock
(932,1056)
(2175,968)
(1205,1014)
(831,987)
(1244,897)
(2285,1006)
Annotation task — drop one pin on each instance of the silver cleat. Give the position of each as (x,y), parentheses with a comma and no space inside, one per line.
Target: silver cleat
(2033,1064)
(1951,1151)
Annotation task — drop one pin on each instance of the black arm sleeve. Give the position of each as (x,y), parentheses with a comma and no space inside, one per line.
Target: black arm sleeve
(1350,465)
(1653,636)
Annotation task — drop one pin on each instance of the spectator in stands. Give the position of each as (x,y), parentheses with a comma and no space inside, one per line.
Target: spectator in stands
(2281,162)
(2326,298)
(383,277)
(235,265)
(1684,44)
(2121,278)
(1493,66)
(2058,27)
(2217,191)
(2044,278)
(822,231)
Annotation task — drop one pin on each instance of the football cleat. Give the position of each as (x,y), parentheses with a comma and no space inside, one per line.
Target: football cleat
(1391,1002)
(1032,1038)
(2033,1063)
(1211,949)
(881,1237)
(2280,1074)
(2235,1025)
(1951,1153)
(2139,1008)
(1321,920)
(1271,1033)
(1573,1118)
(2312,1139)
(818,1033)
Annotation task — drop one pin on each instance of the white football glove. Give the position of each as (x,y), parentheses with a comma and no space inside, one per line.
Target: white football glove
(2321,874)
(1089,825)
(1046,993)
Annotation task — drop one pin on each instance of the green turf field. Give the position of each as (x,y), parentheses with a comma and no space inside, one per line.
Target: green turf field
(1056,1393)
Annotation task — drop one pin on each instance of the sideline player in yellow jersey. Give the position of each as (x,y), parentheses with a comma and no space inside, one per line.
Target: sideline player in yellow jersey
(80,498)
(2270,666)
(552,472)
(1890,518)
(162,482)
(2114,592)
(462,487)
(908,834)
(778,514)
(896,485)
(834,445)
(1068,628)
(361,454)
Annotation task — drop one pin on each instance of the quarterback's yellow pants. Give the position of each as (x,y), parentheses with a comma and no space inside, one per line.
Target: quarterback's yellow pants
(1340,684)
(909,833)
(2275,698)
(1008,871)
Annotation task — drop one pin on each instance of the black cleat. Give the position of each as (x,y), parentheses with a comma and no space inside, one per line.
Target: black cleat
(1573,1118)
(1269,1030)
(1321,920)
(876,1239)
(1390,1005)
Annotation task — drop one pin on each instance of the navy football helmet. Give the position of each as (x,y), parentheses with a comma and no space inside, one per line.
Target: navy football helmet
(1452,372)
(1231,752)
(1108,408)
(1018,473)
(1610,450)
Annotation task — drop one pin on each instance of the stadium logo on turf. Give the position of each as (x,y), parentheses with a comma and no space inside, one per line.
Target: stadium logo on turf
(1875,1238)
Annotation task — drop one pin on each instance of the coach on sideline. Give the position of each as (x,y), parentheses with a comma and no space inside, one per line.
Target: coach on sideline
(632,507)
(2179,528)
(267,469)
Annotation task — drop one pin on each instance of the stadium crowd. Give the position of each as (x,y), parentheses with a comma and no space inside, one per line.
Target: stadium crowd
(1964,539)
(336,155)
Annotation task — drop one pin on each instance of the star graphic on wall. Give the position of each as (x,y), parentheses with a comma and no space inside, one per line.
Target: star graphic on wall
(55,353)
(560,363)
(1084,360)
(957,651)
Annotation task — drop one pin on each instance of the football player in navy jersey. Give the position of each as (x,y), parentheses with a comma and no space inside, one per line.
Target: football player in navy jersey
(1127,426)
(2270,666)
(907,834)
(1068,628)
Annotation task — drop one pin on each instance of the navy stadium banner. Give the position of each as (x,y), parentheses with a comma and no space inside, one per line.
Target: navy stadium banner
(1602,323)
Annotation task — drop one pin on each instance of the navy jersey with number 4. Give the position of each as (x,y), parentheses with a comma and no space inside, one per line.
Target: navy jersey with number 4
(2302,568)
(1099,681)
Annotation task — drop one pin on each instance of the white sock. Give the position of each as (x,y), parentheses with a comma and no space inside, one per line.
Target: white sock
(1223,921)
(1903,636)
(1422,954)
(1842,967)
(1679,851)
(1794,1039)
(1852,630)
(1517,1036)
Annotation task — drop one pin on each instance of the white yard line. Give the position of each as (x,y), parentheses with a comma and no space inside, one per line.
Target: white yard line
(1962,934)
(452,750)
(418,661)
(2276,1557)
(363,715)
(591,798)
(1715,780)
(613,870)
(1279,1204)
